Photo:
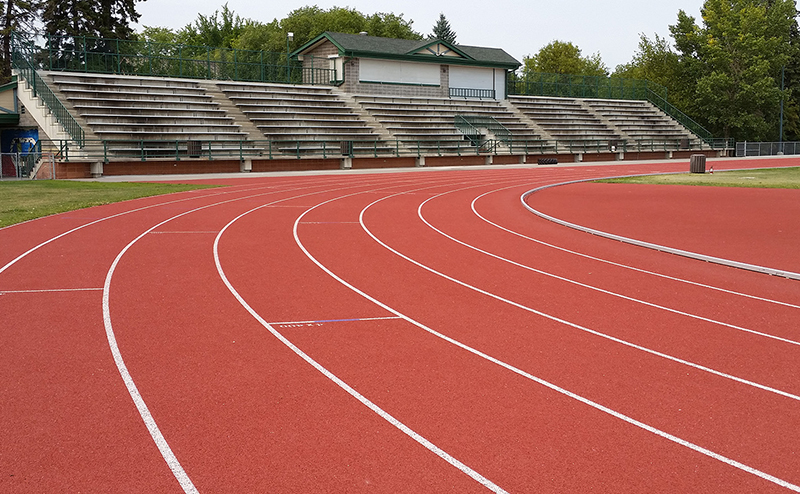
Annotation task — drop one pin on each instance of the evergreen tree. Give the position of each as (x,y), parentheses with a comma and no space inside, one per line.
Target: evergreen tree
(18,15)
(442,31)
(98,19)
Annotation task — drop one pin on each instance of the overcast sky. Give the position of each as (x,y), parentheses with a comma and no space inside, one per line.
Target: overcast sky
(610,27)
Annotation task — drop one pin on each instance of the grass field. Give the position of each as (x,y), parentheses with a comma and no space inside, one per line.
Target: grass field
(773,178)
(26,200)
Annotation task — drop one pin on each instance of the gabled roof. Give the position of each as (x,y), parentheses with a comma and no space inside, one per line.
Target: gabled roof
(431,51)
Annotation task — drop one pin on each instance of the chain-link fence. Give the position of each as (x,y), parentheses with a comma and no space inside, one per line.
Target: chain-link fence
(16,166)
(766,148)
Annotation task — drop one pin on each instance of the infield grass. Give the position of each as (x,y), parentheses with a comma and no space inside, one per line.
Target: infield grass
(25,200)
(773,178)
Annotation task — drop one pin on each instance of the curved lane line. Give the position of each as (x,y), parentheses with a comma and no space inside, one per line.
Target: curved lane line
(343,385)
(649,245)
(53,239)
(591,287)
(163,447)
(574,325)
(554,387)
(625,266)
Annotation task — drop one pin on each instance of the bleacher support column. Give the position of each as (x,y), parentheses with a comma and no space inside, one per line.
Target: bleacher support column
(620,156)
(347,163)
(489,159)
(96,169)
(577,157)
(246,165)
(420,161)
(523,159)
(668,155)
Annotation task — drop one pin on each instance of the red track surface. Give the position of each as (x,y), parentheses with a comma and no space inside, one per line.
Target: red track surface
(402,332)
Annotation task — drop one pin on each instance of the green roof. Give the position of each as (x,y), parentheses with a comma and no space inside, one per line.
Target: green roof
(362,46)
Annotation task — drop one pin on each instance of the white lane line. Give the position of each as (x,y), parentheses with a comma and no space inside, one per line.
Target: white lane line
(53,239)
(53,290)
(649,245)
(625,266)
(178,232)
(586,401)
(144,412)
(335,320)
(598,289)
(343,385)
(574,325)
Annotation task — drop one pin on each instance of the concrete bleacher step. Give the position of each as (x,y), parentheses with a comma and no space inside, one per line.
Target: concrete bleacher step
(137,109)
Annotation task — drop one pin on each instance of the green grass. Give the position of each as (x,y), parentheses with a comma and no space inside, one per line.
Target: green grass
(773,178)
(26,200)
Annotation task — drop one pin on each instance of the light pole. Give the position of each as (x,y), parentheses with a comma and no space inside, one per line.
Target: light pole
(780,127)
(289,37)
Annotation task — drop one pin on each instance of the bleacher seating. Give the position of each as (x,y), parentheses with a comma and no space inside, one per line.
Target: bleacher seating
(427,124)
(157,117)
(642,122)
(309,120)
(162,117)
(565,119)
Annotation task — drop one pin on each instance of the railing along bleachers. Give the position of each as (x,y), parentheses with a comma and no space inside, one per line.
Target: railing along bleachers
(565,119)
(149,117)
(426,125)
(304,120)
(642,122)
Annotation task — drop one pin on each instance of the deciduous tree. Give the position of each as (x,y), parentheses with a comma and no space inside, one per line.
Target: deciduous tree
(560,57)
(730,66)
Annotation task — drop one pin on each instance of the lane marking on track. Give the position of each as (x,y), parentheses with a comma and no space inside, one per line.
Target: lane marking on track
(144,412)
(323,321)
(598,289)
(574,325)
(330,223)
(343,385)
(167,203)
(554,387)
(49,290)
(179,232)
(649,245)
(625,266)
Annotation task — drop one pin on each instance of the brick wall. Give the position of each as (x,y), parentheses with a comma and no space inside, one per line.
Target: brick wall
(169,167)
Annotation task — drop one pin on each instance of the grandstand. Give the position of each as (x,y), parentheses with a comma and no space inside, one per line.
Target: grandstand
(344,101)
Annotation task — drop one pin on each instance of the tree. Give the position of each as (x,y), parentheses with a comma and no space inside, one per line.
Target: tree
(442,31)
(730,67)
(99,19)
(559,57)
(307,23)
(219,30)
(18,15)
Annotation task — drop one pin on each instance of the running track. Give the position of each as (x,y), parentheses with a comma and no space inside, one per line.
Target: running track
(402,332)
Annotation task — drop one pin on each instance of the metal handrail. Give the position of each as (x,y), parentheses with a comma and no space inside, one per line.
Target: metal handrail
(147,58)
(678,115)
(21,60)
(147,150)
(470,125)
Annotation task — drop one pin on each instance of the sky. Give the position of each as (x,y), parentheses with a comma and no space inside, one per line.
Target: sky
(608,27)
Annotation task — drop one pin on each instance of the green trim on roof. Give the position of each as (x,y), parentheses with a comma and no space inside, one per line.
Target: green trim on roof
(9,85)
(439,42)
(360,46)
